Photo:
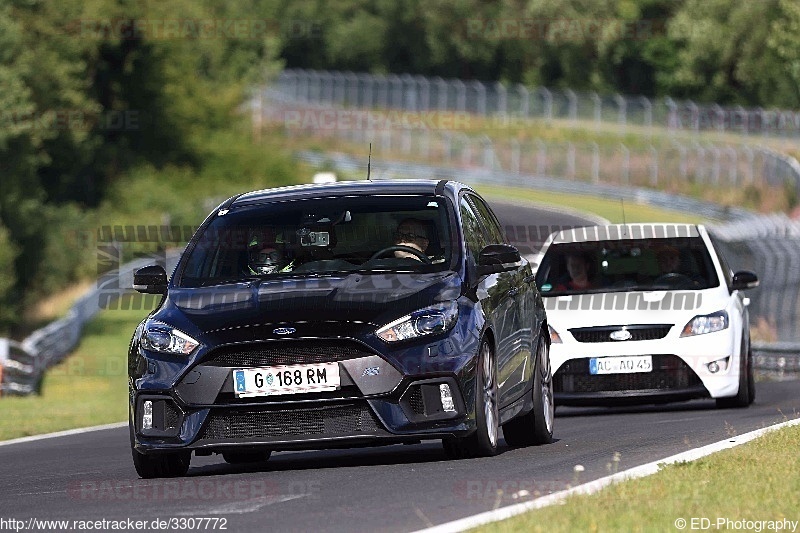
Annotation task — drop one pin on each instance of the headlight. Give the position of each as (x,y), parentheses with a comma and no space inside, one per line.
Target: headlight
(160,337)
(555,338)
(429,321)
(706,324)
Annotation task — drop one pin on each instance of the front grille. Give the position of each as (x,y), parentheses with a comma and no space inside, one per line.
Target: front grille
(335,421)
(669,373)
(415,400)
(638,332)
(285,352)
(172,415)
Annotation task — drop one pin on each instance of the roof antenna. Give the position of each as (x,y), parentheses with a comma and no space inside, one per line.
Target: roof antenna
(624,226)
(369,161)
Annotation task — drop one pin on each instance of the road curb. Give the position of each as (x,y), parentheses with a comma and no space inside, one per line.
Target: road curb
(599,484)
(64,433)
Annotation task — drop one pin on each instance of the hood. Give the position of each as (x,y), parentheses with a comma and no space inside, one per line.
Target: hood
(331,305)
(621,308)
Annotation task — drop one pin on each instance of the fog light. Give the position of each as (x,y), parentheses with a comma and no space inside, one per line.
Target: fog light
(447,398)
(147,416)
(713,367)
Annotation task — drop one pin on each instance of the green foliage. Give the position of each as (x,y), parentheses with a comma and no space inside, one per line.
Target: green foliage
(98,92)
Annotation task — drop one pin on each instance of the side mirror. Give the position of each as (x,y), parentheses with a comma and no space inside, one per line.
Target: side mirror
(496,258)
(744,279)
(150,280)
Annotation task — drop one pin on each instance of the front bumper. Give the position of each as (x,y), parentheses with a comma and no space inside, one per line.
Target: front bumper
(401,403)
(680,370)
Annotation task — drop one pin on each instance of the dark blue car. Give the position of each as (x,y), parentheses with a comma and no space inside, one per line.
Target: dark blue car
(345,314)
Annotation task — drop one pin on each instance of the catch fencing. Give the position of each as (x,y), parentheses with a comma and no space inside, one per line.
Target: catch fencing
(624,113)
(659,162)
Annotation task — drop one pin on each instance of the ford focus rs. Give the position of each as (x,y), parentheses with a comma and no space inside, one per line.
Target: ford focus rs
(645,313)
(342,314)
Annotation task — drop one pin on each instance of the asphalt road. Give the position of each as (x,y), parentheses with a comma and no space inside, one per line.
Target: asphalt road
(396,488)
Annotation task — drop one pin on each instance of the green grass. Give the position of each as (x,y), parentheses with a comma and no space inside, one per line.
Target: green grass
(608,209)
(88,388)
(756,481)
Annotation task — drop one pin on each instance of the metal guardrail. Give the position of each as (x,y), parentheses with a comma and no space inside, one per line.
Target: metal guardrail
(24,363)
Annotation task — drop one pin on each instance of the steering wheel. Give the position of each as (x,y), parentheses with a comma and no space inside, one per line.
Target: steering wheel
(675,279)
(400,248)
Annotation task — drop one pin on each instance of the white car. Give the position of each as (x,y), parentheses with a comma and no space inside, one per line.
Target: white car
(645,313)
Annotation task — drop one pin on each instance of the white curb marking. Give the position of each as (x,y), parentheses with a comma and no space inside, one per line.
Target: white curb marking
(598,484)
(65,433)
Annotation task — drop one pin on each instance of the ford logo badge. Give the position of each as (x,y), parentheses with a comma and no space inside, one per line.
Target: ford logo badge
(621,335)
(283,331)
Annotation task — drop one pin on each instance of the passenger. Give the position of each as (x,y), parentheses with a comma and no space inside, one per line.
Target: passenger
(579,268)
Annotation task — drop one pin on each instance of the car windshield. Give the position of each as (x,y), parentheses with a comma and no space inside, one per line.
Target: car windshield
(321,236)
(626,265)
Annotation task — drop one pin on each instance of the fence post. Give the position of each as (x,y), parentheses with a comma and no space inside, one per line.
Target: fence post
(683,163)
(524,100)
(648,111)
(425,92)
(695,115)
(733,168)
(383,91)
(622,111)
(715,168)
(515,156)
(489,159)
(502,99)
(409,92)
(352,80)
(480,100)
(547,101)
(598,109)
(396,85)
(441,93)
(461,95)
(572,100)
(673,119)
(595,163)
(541,158)
(626,164)
(570,160)
(653,166)
(750,175)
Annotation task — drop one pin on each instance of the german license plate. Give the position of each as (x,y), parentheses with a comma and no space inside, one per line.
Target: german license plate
(285,379)
(621,365)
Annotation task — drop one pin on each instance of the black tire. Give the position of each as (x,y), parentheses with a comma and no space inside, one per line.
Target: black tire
(483,441)
(747,385)
(237,458)
(536,427)
(171,464)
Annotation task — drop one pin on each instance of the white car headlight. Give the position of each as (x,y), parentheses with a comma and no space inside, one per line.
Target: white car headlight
(160,337)
(700,325)
(428,321)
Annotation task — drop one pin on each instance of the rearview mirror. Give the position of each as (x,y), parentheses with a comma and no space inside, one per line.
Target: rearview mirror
(150,280)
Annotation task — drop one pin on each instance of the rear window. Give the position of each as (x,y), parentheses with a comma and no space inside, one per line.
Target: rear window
(626,265)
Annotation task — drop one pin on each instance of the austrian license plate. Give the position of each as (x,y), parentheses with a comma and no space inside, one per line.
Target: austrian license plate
(621,365)
(285,379)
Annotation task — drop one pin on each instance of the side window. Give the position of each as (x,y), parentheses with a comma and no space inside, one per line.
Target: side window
(473,233)
(494,232)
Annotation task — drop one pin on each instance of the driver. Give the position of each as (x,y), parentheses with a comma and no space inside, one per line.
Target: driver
(266,257)
(411,232)
(668,259)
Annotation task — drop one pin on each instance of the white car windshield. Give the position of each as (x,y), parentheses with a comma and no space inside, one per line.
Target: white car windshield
(322,236)
(626,265)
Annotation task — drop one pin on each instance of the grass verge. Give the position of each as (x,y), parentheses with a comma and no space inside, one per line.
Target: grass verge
(757,481)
